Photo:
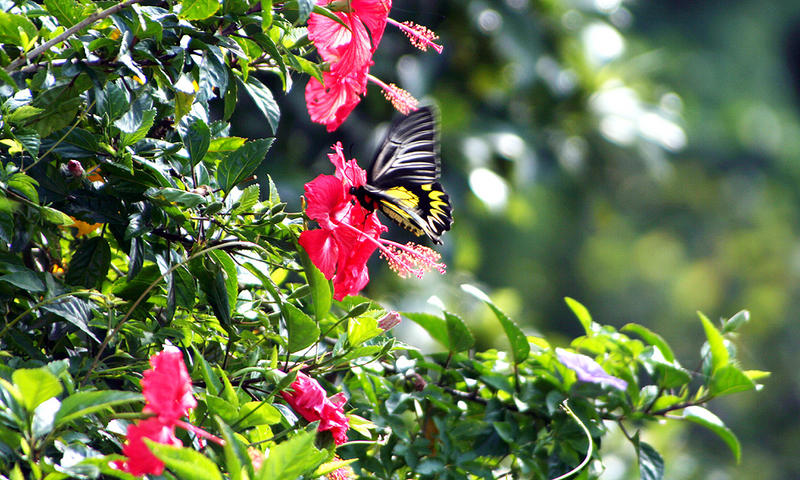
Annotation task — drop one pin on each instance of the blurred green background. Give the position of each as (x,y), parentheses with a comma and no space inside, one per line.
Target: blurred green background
(643,158)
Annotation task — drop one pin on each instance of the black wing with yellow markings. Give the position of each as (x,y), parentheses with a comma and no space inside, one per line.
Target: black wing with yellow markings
(402,181)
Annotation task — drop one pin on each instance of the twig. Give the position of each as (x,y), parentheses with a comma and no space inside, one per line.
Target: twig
(68,33)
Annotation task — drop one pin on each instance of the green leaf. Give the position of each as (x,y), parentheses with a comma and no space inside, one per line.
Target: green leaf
(126,139)
(667,374)
(292,458)
(213,384)
(520,348)
(184,462)
(231,276)
(435,326)
(198,9)
(247,199)
(68,12)
(80,404)
(23,113)
(197,139)
(732,324)
(651,465)
(303,331)
(35,386)
(361,329)
(652,338)
(90,263)
(266,14)
(56,216)
(17,30)
(320,287)
(258,413)
(459,336)
(704,417)
(262,96)
(236,456)
(24,185)
(112,101)
(75,311)
(30,141)
(240,165)
(174,196)
(24,279)
(581,312)
(716,343)
(730,379)
(304,9)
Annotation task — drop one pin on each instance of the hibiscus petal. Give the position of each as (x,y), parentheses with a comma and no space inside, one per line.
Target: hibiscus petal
(322,249)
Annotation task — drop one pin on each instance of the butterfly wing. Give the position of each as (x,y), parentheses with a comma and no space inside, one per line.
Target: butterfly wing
(409,153)
(402,180)
(420,209)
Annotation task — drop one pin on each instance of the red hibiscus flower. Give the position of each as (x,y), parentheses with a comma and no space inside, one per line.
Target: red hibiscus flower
(141,460)
(349,234)
(308,398)
(167,387)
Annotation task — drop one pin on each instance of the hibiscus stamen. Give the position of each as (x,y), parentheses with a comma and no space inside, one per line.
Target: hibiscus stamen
(420,36)
(419,258)
(400,99)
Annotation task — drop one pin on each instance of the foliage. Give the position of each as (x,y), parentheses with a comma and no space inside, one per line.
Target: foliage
(162,237)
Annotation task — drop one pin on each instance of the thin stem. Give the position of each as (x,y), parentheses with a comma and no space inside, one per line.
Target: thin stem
(146,292)
(564,406)
(68,33)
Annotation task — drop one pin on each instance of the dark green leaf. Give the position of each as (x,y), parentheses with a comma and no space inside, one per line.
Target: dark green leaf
(304,9)
(145,123)
(264,100)
(197,138)
(75,311)
(651,465)
(24,279)
(460,338)
(704,417)
(175,196)
(240,165)
(520,348)
(112,101)
(303,331)
(80,404)
(89,264)
(35,386)
(30,141)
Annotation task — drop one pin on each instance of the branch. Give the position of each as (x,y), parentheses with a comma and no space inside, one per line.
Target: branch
(68,33)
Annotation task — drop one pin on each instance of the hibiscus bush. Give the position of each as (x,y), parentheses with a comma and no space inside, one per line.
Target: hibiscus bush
(165,313)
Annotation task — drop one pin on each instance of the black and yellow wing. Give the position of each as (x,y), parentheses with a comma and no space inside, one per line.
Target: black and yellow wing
(402,180)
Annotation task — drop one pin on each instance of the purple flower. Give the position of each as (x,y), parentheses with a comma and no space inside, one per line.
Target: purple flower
(588,370)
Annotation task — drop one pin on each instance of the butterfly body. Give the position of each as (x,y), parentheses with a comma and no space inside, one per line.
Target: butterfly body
(402,181)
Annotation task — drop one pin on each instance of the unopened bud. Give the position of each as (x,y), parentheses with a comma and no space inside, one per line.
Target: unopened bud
(389,321)
(75,168)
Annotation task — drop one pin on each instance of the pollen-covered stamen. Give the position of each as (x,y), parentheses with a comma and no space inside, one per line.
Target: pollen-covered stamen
(400,99)
(405,260)
(420,36)
(412,259)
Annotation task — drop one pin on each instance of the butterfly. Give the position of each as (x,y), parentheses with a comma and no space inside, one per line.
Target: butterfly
(402,181)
